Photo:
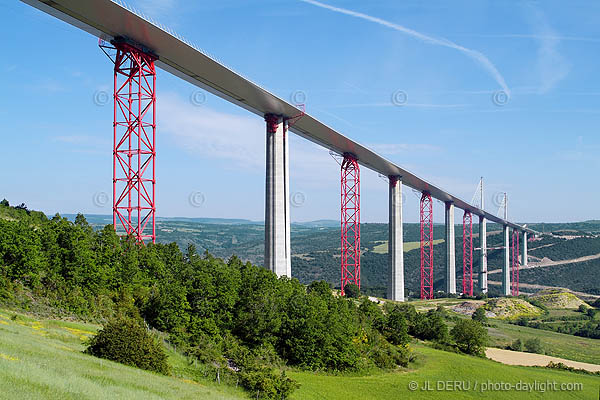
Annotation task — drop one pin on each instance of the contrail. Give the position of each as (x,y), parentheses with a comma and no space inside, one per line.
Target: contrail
(477,56)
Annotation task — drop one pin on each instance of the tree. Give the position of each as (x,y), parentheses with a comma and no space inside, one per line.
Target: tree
(4,203)
(470,336)
(430,326)
(479,316)
(396,327)
(352,291)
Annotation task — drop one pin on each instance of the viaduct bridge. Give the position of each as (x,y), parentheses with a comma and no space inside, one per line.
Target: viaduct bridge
(136,45)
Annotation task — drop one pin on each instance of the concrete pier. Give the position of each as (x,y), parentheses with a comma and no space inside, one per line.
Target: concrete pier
(506,262)
(483,278)
(277,209)
(450,250)
(524,260)
(395,289)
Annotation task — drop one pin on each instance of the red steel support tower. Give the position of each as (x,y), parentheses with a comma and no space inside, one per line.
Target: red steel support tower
(134,133)
(514,284)
(468,253)
(426,246)
(350,236)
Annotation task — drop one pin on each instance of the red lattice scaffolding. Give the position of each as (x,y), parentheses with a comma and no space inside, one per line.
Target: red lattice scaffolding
(134,132)
(468,253)
(350,237)
(514,284)
(426,246)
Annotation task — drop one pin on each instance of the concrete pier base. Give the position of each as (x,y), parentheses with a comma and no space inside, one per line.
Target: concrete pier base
(277,209)
(395,289)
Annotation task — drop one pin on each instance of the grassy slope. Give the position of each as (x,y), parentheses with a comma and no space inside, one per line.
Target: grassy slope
(43,360)
(439,365)
(556,344)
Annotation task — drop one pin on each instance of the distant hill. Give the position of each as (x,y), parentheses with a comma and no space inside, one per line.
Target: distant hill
(96,219)
(316,250)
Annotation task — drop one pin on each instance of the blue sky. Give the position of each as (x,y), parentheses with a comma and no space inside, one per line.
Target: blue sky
(348,60)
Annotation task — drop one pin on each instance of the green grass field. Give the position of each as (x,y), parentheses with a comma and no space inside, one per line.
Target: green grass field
(436,365)
(44,360)
(555,344)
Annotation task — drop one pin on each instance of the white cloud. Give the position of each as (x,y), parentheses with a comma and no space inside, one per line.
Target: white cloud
(241,140)
(212,134)
(551,65)
(480,58)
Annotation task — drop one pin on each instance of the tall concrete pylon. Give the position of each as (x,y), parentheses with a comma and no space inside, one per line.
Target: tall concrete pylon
(506,262)
(483,277)
(395,289)
(450,249)
(524,260)
(277,207)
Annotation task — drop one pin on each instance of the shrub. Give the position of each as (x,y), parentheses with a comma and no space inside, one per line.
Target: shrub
(126,341)
(583,308)
(517,345)
(534,346)
(470,336)
(479,316)
(268,383)
(352,291)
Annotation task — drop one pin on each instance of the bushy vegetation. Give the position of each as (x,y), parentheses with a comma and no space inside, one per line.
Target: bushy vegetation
(534,345)
(126,340)
(569,249)
(470,336)
(480,316)
(235,317)
(583,323)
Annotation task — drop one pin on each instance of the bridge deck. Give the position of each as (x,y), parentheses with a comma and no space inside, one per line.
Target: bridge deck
(107,19)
